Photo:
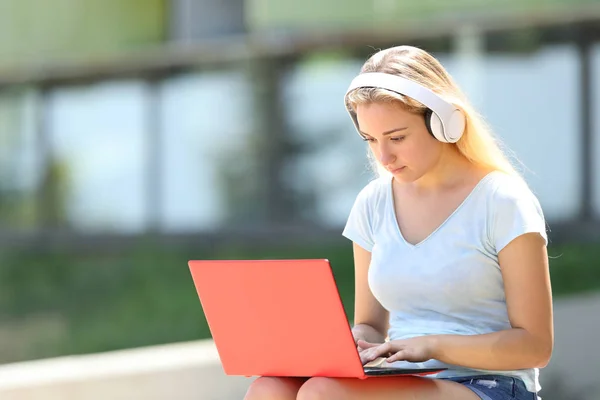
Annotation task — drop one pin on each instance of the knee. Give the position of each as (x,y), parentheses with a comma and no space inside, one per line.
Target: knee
(319,388)
(270,388)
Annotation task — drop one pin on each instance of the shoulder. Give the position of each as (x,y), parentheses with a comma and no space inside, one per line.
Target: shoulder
(375,190)
(365,214)
(507,189)
(371,200)
(513,209)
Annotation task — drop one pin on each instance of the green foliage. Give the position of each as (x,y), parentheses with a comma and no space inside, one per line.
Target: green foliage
(574,268)
(358,14)
(80,303)
(32,30)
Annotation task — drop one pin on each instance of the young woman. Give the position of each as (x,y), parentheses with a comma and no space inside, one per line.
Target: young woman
(450,255)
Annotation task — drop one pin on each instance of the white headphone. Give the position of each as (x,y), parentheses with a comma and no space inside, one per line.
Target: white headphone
(443,120)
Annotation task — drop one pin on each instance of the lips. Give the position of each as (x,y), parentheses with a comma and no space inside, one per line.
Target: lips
(394,171)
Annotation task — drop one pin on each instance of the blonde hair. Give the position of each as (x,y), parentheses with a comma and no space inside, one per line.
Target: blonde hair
(477,144)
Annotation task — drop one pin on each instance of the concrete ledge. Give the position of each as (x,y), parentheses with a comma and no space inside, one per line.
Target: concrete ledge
(182,370)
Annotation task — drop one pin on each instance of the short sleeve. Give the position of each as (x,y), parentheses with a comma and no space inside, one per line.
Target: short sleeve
(515,212)
(359,226)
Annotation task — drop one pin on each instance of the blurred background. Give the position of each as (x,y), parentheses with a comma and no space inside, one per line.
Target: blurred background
(138,134)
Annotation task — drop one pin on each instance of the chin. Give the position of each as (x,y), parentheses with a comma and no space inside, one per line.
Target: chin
(406,177)
(402,179)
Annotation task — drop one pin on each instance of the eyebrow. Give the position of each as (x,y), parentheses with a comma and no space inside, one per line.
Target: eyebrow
(387,132)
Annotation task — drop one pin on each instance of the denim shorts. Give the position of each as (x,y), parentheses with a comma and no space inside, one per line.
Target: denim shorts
(496,387)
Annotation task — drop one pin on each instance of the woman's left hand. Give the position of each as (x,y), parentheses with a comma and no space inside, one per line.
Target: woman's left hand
(418,349)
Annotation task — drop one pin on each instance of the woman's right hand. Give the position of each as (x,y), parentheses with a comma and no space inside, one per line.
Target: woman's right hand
(357,337)
(365,332)
(358,348)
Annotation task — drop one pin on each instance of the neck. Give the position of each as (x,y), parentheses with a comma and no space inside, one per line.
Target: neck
(450,170)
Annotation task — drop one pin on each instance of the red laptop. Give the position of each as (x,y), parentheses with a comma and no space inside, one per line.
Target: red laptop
(280,318)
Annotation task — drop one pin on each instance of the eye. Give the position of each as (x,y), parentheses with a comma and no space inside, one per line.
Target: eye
(398,138)
(367,139)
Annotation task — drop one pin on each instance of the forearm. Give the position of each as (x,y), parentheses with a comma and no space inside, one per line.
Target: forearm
(368,333)
(505,350)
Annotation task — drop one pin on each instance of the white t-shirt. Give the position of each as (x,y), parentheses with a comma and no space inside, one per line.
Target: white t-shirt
(450,282)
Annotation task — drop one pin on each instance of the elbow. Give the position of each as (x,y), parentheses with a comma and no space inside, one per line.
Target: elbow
(544,358)
(537,349)
(543,355)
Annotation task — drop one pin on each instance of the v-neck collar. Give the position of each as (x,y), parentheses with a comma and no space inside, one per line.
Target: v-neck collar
(460,206)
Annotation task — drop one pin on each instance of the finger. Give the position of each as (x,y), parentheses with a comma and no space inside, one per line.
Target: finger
(366,345)
(364,358)
(398,356)
(364,348)
(386,348)
(367,356)
(376,352)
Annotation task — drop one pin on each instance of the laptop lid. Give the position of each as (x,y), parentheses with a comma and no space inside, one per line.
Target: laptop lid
(276,317)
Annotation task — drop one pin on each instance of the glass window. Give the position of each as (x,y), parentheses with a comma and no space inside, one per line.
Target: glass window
(98,157)
(209,152)
(332,166)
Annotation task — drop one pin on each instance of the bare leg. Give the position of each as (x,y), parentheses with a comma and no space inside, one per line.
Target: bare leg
(388,388)
(272,388)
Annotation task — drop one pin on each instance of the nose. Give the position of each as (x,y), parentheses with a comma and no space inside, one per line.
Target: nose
(386,157)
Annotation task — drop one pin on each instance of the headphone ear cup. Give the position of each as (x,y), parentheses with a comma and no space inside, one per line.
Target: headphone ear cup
(427,116)
(456,126)
(434,125)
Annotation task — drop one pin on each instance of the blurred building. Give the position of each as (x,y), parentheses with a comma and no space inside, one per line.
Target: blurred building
(127,117)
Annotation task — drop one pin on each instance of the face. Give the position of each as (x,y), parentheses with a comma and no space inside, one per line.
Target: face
(399,140)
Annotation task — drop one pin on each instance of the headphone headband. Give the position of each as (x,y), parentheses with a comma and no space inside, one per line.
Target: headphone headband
(450,127)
